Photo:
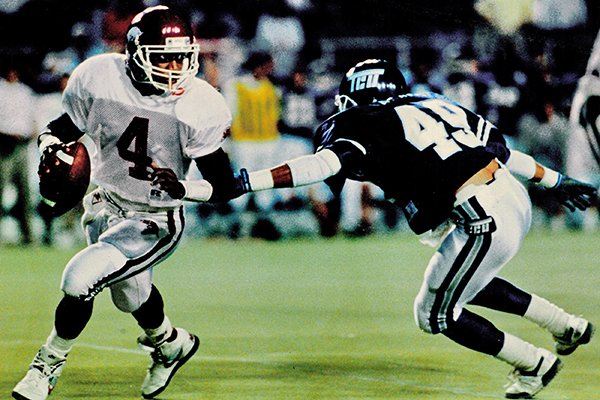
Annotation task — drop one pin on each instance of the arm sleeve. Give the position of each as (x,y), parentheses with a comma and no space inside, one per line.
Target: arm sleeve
(525,166)
(216,169)
(521,164)
(300,171)
(308,169)
(314,168)
(208,128)
(64,129)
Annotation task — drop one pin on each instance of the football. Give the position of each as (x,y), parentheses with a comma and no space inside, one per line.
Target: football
(64,178)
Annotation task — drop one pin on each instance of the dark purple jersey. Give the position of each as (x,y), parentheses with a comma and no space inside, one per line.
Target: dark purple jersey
(418,149)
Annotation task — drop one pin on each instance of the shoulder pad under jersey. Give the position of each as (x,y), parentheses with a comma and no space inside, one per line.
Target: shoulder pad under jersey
(348,124)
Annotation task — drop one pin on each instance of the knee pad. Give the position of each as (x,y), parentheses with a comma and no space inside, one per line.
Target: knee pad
(130,294)
(85,273)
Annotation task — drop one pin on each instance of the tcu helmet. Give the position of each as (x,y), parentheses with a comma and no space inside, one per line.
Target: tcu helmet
(158,35)
(369,81)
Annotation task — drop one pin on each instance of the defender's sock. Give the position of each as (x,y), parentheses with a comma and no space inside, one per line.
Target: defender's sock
(547,315)
(518,353)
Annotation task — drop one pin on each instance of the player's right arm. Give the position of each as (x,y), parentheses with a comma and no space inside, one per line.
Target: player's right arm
(308,169)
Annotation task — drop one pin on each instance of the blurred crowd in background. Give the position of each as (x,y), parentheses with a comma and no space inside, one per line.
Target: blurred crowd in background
(515,62)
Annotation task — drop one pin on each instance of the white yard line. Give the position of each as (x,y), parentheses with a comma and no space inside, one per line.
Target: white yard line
(277,359)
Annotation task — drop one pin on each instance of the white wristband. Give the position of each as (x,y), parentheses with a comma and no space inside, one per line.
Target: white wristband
(198,190)
(550,179)
(261,180)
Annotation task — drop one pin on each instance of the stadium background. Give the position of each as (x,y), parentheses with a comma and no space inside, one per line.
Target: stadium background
(304,317)
(514,61)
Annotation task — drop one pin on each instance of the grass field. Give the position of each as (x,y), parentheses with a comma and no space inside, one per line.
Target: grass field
(298,319)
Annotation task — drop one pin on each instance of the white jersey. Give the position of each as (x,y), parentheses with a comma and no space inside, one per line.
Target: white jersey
(132,131)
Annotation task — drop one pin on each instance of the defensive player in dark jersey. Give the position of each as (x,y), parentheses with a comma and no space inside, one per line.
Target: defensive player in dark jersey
(449,170)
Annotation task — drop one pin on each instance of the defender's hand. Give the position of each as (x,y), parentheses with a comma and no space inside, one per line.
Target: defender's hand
(574,194)
(166,180)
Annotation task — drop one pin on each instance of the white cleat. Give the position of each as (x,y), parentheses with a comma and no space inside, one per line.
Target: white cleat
(580,332)
(526,384)
(167,358)
(41,378)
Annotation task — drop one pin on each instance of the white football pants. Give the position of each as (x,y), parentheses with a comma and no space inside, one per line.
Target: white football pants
(123,246)
(491,222)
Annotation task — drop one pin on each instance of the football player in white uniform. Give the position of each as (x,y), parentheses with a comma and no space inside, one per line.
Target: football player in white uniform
(149,117)
(448,169)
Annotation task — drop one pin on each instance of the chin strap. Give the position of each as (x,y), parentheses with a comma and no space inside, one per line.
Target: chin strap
(144,87)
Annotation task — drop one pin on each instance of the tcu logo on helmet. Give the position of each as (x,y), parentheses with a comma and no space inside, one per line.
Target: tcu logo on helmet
(365,79)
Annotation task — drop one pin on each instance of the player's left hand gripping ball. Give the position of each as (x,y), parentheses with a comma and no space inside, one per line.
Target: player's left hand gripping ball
(64,173)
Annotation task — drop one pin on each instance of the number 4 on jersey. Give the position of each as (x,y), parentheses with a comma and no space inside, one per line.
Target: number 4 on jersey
(136,133)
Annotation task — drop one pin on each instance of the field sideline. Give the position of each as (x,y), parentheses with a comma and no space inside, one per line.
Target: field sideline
(299,319)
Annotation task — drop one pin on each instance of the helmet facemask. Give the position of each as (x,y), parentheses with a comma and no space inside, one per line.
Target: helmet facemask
(344,102)
(159,36)
(147,58)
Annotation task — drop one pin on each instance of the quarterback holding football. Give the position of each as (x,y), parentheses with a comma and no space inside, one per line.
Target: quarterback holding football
(149,118)
(450,172)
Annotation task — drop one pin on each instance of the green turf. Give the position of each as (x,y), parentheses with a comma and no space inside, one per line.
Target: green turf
(299,319)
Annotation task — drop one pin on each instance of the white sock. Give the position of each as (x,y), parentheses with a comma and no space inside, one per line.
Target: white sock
(160,334)
(58,345)
(547,315)
(518,353)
